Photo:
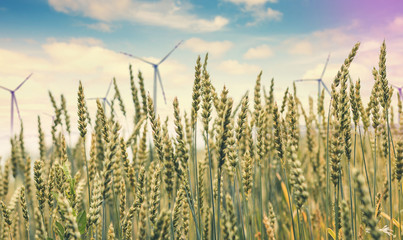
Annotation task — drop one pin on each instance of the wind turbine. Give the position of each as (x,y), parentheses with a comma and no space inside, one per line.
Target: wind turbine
(319,80)
(156,73)
(399,89)
(14,102)
(104,99)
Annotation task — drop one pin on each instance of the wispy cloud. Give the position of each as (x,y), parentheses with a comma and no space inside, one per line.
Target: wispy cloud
(259,52)
(258,10)
(396,25)
(164,13)
(100,26)
(272,14)
(214,48)
(301,48)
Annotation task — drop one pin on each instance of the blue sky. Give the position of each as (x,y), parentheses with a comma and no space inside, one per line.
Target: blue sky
(301,16)
(63,41)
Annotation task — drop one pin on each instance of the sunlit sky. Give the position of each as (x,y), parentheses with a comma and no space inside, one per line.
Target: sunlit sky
(63,41)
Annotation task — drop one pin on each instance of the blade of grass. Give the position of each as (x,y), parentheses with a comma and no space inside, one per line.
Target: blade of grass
(365,167)
(211,184)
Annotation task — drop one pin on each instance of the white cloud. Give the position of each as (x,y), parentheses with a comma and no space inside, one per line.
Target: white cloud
(257,9)
(165,13)
(259,52)
(301,48)
(215,48)
(272,14)
(398,21)
(259,13)
(81,41)
(396,25)
(234,67)
(370,45)
(336,35)
(100,26)
(316,71)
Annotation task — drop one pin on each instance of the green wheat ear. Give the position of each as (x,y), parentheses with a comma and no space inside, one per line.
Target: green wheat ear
(71,227)
(169,174)
(119,97)
(143,94)
(156,127)
(232,219)
(207,96)
(65,113)
(143,222)
(155,195)
(247,174)
(39,184)
(161,231)
(58,111)
(196,94)
(257,96)
(94,214)
(135,97)
(82,111)
(111,233)
(6,213)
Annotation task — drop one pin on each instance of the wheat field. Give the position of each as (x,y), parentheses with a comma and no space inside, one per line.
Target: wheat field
(268,169)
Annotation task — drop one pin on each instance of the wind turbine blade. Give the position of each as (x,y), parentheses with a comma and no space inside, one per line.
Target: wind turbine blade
(393,85)
(109,88)
(132,56)
(162,88)
(47,114)
(164,58)
(327,90)
(6,89)
(306,80)
(26,79)
(16,107)
(93,98)
(107,101)
(324,69)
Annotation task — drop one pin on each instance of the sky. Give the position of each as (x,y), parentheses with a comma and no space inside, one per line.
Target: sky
(64,41)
